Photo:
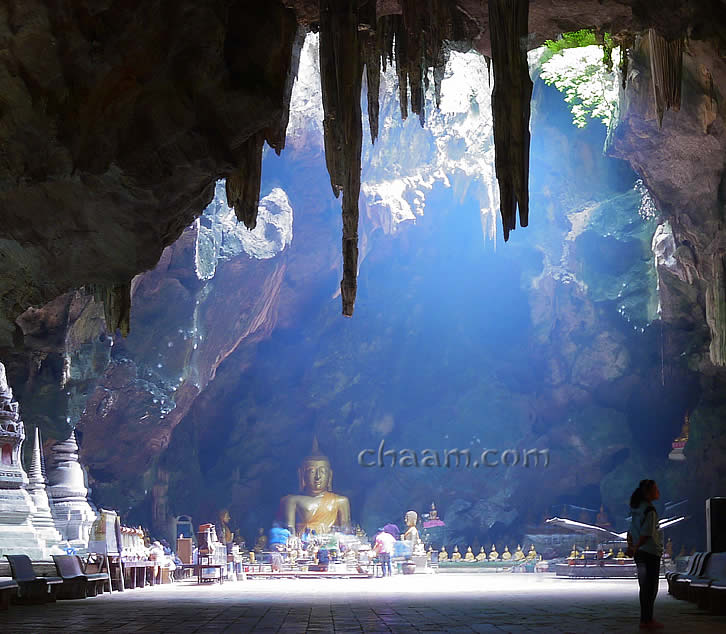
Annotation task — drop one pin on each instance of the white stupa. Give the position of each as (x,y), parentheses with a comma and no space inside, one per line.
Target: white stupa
(71,511)
(42,519)
(17,534)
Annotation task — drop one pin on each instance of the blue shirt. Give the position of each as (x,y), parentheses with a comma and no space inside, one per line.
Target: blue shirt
(279,535)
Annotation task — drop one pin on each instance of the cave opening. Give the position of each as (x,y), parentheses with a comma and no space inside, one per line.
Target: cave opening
(173,281)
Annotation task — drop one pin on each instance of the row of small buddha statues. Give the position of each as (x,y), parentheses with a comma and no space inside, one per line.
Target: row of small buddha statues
(667,552)
(493,555)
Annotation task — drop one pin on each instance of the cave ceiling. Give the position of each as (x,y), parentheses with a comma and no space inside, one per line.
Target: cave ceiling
(117,118)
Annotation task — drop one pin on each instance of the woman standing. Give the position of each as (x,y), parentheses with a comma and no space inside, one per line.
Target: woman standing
(646,544)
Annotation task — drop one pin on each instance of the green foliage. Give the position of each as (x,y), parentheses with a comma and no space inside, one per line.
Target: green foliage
(574,39)
(577,39)
(590,90)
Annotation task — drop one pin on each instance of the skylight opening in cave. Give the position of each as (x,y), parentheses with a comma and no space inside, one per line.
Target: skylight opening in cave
(549,343)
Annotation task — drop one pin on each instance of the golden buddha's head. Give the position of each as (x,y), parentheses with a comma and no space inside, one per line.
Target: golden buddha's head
(315,473)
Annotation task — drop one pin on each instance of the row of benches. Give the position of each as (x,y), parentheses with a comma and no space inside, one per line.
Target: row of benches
(72,582)
(703,583)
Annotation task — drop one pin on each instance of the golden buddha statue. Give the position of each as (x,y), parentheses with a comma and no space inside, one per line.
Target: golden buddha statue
(493,554)
(469,556)
(573,554)
(602,518)
(679,444)
(317,508)
(482,556)
(443,555)
(456,555)
(620,555)
(223,533)
(532,554)
(433,513)
(610,553)
(506,555)
(261,543)
(519,553)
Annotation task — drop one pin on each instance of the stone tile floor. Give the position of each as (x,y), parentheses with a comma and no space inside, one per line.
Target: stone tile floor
(419,603)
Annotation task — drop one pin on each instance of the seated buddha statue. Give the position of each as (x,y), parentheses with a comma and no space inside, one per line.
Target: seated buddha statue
(506,555)
(602,518)
(443,555)
(411,536)
(518,554)
(668,549)
(316,507)
(482,556)
(456,555)
(620,555)
(469,556)
(532,554)
(573,553)
(261,543)
(493,554)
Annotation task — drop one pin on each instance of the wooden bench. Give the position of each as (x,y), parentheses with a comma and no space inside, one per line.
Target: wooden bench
(8,589)
(30,588)
(679,585)
(76,583)
(714,571)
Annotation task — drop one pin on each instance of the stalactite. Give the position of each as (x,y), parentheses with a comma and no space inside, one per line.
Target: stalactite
(510,108)
(275,136)
(243,184)
(666,67)
(372,42)
(116,302)
(341,68)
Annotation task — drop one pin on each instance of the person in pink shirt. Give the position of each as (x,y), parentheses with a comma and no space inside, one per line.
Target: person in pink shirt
(384,548)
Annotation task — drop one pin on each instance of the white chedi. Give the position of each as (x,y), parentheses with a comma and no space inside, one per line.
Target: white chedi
(17,533)
(42,518)
(72,513)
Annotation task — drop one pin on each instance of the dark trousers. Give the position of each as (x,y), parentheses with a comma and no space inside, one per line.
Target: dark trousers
(648,570)
(385,563)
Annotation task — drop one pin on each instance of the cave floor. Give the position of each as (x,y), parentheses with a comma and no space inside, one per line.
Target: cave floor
(433,603)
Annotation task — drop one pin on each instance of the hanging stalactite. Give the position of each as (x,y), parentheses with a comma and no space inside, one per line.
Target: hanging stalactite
(341,69)
(666,68)
(510,108)
(243,184)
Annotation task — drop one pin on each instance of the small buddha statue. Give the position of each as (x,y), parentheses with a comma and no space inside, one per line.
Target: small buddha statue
(620,555)
(610,553)
(506,555)
(316,507)
(574,553)
(519,553)
(443,555)
(433,513)
(469,556)
(261,543)
(532,554)
(602,518)
(668,550)
(493,554)
(224,534)
(252,556)
(456,555)
(482,556)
